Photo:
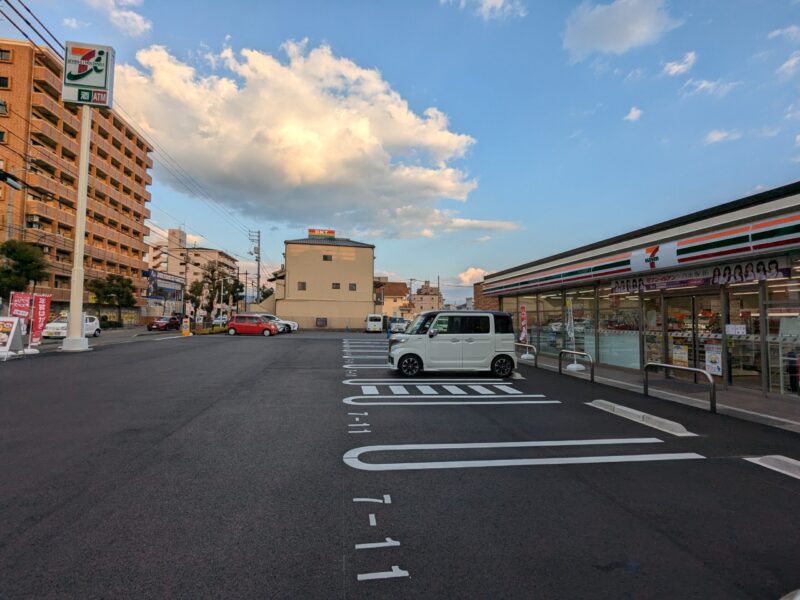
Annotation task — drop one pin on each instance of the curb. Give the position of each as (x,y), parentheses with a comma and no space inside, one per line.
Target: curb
(645,419)
(781,464)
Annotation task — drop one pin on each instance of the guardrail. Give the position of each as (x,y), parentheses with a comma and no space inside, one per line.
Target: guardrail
(574,353)
(527,355)
(712,390)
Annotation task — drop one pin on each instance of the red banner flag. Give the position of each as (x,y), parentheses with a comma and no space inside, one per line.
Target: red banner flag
(19,305)
(41,314)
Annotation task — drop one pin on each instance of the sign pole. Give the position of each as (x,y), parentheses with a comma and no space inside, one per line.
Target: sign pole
(75,340)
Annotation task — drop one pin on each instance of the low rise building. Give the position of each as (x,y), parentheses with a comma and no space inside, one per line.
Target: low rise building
(427,297)
(326,282)
(395,299)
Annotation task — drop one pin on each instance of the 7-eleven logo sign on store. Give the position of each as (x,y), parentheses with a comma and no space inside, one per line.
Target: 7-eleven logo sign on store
(88,74)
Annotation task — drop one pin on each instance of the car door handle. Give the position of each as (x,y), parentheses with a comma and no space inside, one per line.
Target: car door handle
(469,340)
(454,340)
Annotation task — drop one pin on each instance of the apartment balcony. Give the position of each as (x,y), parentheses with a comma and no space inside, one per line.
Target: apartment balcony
(46,129)
(57,109)
(48,185)
(46,77)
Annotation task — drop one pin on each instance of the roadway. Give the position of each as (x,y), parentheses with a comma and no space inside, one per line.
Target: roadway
(296,467)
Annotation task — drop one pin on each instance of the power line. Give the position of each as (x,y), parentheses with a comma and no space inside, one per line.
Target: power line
(169,163)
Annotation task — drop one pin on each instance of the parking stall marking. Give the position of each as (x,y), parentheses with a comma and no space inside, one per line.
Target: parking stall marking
(431,381)
(369,390)
(507,389)
(398,389)
(352,457)
(457,401)
(427,390)
(454,389)
(395,572)
(481,390)
(389,543)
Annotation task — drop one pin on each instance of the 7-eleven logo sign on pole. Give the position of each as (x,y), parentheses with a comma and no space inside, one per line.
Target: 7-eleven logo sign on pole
(88,74)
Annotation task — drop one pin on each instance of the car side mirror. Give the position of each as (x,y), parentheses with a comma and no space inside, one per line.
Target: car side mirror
(433,333)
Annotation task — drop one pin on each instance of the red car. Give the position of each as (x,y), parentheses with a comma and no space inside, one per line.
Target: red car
(164,324)
(252,325)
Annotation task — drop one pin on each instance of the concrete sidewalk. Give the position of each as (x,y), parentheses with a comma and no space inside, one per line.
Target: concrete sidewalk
(751,405)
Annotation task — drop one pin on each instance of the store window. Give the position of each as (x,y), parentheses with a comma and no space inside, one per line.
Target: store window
(579,325)
(511,306)
(551,314)
(743,336)
(783,339)
(618,328)
(653,328)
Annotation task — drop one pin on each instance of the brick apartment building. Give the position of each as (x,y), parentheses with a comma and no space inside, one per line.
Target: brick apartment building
(39,144)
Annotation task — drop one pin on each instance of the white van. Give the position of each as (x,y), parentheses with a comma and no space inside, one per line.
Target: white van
(455,341)
(374,323)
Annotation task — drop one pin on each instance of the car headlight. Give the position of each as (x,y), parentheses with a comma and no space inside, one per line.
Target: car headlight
(395,341)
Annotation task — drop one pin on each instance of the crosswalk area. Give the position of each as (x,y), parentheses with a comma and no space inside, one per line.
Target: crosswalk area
(440,389)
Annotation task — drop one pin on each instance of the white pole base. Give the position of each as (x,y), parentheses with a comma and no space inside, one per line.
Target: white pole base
(527,356)
(575,367)
(80,344)
(30,351)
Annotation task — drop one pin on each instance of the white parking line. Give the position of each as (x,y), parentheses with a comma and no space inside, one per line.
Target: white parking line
(385,366)
(507,389)
(458,401)
(389,543)
(432,380)
(352,457)
(454,389)
(395,572)
(398,389)
(427,390)
(369,390)
(776,462)
(372,521)
(481,390)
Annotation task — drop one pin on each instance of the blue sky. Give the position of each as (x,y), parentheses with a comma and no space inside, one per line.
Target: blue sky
(458,136)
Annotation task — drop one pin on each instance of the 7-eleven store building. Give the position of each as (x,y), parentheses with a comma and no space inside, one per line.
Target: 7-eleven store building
(718,289)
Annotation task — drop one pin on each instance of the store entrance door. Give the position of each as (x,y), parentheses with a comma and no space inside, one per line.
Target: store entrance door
(694,332)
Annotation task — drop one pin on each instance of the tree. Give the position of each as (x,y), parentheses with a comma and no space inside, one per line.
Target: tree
(115,290)
(234,290)
(23,263)
(264,293)
(195,294)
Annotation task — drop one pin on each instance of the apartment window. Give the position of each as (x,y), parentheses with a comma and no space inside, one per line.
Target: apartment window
(336,286)
(301,286)
(2,137)
(5,55)
(352,287)
(5,83)
(327,257)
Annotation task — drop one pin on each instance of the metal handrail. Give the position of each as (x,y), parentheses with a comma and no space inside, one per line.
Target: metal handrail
(712,390)
(574,353)
(535,352)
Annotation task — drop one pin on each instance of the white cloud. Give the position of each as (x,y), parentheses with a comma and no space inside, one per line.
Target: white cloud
(635,75)
(711,88)
(634,114)
(315,136)
(792,32)
(492,9)
(129,22)
(617,27)
(797,140)
(796,159)
(788,68)
(718,135)
(681,66)
(73,23)
(767,132)
(472,275)
(483,238)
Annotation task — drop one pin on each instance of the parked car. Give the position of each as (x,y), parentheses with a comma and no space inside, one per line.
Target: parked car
(165,324)
(251,325)
(455,341)
(373,323)
(397,324)
(58,327)
(283,325)
(220,321)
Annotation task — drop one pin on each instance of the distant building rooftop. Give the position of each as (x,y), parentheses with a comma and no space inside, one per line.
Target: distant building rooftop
(329,242)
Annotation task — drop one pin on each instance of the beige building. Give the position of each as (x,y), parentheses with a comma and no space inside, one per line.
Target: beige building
(39,145)
(427,297)
(395,299)
(326,282)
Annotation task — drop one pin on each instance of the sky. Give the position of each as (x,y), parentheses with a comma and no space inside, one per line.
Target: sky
(460,137)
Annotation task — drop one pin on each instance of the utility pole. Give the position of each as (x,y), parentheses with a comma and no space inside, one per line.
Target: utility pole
(255,237)
(245,291)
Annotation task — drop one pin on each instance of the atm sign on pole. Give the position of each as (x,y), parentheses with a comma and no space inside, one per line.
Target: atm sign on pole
(88,74)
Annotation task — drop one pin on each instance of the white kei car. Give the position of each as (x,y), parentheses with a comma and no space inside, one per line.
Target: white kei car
(58,329)
(283,325)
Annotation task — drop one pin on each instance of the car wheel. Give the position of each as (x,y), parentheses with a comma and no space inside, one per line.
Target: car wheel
(410,365)
(267,333)
(96,333)
(231,331)
(502,366)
